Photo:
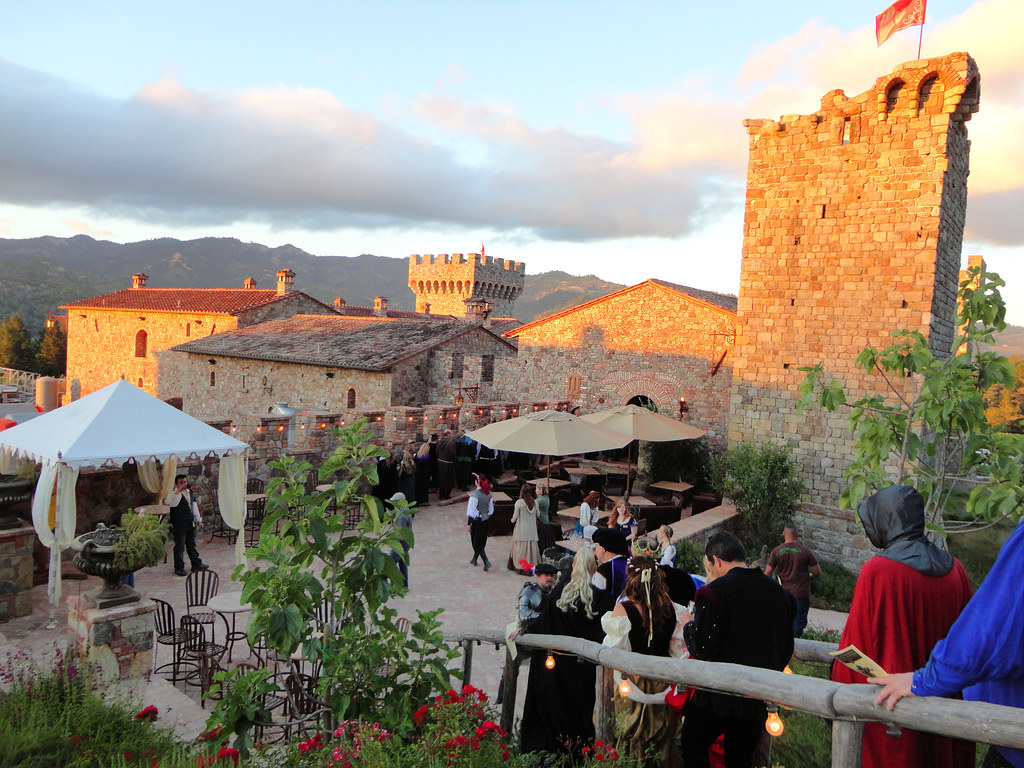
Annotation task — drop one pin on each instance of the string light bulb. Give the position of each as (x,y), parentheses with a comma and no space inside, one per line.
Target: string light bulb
(787,670)
(624,687)
(549,662)
(774,724)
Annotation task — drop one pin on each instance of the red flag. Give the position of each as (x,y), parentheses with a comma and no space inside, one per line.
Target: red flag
(481,249)
(899,15)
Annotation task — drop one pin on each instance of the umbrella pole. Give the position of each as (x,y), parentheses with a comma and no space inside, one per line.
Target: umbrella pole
(629,463)
(55,549)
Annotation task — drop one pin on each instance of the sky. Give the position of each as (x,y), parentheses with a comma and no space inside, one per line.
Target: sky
(596,137)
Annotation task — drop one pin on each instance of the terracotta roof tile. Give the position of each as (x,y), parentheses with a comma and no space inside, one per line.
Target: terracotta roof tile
(228,301)
(361,343)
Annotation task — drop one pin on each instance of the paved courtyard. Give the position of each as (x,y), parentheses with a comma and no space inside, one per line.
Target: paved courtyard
(439,576)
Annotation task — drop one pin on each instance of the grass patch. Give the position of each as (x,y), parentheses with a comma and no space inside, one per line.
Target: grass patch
(833,589)
(978,550)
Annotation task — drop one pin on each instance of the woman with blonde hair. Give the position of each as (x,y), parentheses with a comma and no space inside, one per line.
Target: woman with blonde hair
(558,715)
(646,621)
(524,534)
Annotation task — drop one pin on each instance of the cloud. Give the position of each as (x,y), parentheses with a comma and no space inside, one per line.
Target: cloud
(5,228)
(81,228)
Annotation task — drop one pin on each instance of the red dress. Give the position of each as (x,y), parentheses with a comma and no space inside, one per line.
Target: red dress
(898,614)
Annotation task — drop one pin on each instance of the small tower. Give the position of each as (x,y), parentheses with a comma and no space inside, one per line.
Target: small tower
(443,284)
(285,280)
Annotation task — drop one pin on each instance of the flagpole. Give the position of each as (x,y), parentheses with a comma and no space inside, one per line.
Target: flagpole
(920,38)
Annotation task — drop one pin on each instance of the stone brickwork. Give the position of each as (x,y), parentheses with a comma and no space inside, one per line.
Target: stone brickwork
(118,641)
(106,344)
(853,228)
(17,548)
(647,340)
(444,282)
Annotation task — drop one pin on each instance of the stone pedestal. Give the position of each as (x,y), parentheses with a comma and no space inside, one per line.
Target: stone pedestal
(17,547)
(118,640)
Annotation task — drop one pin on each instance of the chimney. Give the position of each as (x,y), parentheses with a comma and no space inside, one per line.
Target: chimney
(380,306)
(250,283)
(426,307)
(139,280)
(284,281)
(477,310)
(339,305)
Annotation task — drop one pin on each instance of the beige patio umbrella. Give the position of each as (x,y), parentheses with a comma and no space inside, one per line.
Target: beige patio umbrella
(640,423)
(548,432)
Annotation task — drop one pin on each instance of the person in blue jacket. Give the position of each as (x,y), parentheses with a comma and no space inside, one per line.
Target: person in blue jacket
(983,653)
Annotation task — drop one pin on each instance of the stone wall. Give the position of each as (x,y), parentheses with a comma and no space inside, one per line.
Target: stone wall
(436,377)
(648,340)
(853,227)
(295,303)
(242,387)
(118,641)
(17,546)
(102,343)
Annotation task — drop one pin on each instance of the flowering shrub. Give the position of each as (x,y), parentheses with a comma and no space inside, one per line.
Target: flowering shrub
(601,752)
(149,714)
(455,726)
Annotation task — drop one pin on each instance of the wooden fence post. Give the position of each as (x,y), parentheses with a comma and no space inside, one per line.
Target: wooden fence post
(604,712)
(467,661)
(846,743)
(509,682)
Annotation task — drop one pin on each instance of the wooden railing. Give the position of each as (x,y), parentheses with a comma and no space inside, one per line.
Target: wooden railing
(847,706)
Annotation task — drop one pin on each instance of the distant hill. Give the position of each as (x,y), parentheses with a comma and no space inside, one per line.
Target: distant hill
(38,275)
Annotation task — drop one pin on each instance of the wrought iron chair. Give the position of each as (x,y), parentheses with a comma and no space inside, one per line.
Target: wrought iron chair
(169,634)
(200,586)
(197,646)
(254,485)
(254,521)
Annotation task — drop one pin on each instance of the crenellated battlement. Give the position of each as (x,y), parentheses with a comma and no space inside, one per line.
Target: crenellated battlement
(444,282)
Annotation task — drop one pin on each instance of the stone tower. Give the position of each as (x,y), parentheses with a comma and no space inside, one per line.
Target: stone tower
(853,228)
(443,283)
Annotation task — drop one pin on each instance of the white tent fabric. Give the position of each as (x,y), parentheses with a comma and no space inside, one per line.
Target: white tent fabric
(111,426)
(58,533)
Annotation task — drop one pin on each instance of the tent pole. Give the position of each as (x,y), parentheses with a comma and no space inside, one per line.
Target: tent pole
(55,547)
(629,463)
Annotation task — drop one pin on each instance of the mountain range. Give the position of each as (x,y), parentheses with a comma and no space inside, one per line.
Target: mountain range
(38,275)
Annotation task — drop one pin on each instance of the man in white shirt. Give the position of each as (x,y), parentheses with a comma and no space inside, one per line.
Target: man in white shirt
(185,518)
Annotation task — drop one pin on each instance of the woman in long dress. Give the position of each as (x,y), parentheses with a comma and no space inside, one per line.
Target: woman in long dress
(558,714)
(545,538)
(423,475)
(524,534)
(589,509)
(647,622)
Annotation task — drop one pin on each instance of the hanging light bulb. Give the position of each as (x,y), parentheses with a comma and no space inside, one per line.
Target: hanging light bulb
(624,687)
(549,662)
(774,724)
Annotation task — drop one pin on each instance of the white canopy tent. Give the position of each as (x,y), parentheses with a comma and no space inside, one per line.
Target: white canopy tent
(109,427)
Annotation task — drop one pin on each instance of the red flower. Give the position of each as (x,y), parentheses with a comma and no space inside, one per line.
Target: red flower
(212,734)
(228,752)
(149,713)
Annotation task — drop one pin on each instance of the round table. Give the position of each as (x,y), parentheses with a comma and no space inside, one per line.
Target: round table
(229,603)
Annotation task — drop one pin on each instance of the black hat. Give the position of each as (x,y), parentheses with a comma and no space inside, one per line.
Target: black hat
(612,540)
(544,568)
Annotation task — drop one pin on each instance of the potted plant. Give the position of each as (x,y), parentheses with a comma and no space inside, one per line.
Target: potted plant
(112,553)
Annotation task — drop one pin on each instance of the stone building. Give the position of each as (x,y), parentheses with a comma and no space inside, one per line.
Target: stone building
(333,364)
(444,283)
(853,228)
(655,340)
(117,335)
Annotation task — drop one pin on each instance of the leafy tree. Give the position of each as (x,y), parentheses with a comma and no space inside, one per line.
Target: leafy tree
(321,587)
(931,431)
(16,347)
(53,351)
(1004,407)
(761,481)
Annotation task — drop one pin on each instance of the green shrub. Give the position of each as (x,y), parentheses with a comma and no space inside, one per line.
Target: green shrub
(761,481)
(689,556)
(58,716)
(833,589)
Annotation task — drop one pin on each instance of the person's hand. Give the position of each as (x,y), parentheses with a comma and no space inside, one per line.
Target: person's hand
(894,688)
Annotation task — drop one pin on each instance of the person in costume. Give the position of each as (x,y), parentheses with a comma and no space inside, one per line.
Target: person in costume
(588,511)
(983,654)
(558,714)
(646,621)
(545,538)
(611,551)
(905,601)
(524,534)
(743,617)
(625,523)
(479,509)
(185,519)
(533,598)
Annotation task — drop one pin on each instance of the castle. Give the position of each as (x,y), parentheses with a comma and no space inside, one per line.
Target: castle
(853,228)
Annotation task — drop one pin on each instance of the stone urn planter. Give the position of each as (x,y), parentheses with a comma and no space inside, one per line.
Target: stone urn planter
(95,557)
(15,491)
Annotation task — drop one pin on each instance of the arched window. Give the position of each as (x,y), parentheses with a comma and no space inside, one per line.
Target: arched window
(188,329)
(929,100)
(892,96)
(140,344)
(140,383)
(213,378)
(573,390)
(351,403)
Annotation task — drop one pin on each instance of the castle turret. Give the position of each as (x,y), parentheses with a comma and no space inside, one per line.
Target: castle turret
(444,283)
